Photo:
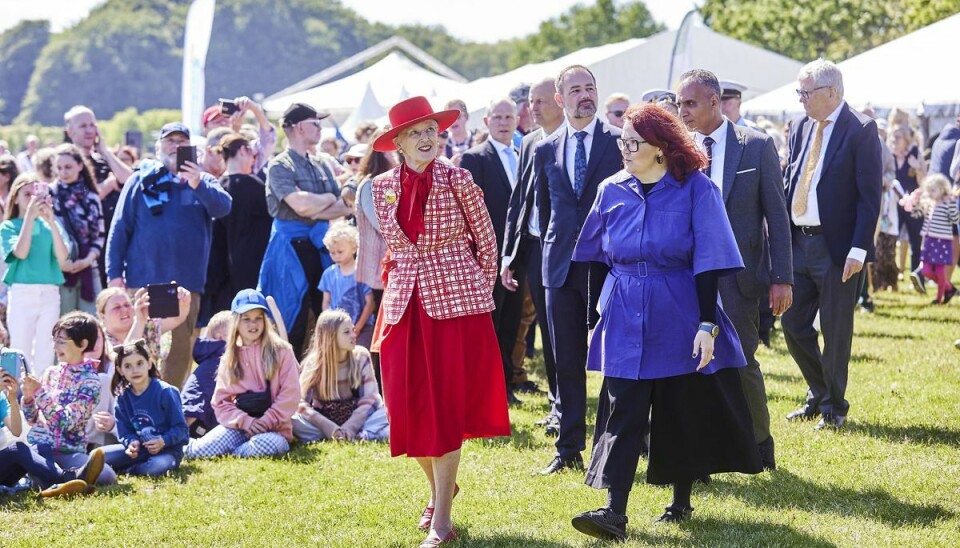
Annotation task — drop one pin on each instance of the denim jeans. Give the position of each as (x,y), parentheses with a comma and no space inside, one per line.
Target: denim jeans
(144,465)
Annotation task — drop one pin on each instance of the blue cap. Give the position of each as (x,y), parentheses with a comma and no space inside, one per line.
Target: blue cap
(248,299)
(174,127)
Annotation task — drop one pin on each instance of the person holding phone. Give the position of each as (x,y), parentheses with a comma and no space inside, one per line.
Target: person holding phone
(229,113)
(162,231)
(33,247)
(77,207)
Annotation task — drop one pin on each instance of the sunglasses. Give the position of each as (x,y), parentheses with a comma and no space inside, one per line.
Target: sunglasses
(617,113)
(312,122)
(352,160)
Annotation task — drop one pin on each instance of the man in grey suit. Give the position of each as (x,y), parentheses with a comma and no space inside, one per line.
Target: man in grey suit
(745,165)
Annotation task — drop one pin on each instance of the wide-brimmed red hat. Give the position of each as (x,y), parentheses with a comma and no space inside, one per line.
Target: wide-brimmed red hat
(410,112)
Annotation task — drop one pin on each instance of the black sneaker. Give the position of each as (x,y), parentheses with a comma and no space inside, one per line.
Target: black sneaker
(603,523)
(919,283)
(950,294)
(675,514)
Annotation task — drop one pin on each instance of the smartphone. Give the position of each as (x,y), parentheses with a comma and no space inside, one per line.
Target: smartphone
(10,363)
(185,153)
(228,107)
(164,302)
(133,139)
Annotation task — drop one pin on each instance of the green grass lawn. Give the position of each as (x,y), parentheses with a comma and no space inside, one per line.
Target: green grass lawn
(891,477)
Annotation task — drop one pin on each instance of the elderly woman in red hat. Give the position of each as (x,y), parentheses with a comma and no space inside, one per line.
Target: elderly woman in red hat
(441,368)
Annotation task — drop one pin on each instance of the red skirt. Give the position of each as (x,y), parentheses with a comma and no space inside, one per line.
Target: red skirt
(442,382)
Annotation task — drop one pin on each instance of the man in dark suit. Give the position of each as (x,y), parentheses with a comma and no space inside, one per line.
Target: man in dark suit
(833,174)
(745,165)
(568,168)
(522,254)
(493,165)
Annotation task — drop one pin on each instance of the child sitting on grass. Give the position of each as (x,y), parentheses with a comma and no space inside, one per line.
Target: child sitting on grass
(197,393)
(257,389)
(150,421)
(59,406)
(339,281)
(341,399)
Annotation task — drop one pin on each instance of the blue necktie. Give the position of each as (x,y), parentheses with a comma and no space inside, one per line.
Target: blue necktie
(580,165)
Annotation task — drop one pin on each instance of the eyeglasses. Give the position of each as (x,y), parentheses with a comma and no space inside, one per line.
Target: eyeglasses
(804,94)
(631,145)
(617,113)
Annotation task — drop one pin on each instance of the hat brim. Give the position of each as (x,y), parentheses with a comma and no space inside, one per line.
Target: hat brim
(444,118)
(250,306)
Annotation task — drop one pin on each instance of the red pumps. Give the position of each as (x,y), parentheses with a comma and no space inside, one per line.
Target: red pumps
(426,518)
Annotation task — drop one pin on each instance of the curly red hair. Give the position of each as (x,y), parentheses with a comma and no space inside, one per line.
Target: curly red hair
(661,129)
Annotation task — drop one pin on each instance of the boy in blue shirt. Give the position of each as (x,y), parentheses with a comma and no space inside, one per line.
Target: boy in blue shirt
(339,282)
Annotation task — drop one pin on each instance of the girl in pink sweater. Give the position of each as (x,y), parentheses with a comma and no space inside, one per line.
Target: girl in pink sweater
(257,388)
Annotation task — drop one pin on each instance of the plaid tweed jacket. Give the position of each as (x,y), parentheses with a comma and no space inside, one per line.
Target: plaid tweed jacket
(452,279)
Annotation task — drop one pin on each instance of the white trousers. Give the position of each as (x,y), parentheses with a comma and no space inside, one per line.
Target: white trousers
(32,311)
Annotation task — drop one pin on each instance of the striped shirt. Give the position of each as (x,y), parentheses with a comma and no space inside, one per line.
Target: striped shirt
(940,222)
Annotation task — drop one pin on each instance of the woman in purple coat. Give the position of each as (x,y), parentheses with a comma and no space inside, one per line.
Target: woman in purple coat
(662,342)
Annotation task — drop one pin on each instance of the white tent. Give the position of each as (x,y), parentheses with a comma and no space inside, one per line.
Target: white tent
(867,78)
(636,65)
(386,82)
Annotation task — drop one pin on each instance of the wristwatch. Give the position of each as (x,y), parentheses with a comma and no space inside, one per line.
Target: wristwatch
(711,328)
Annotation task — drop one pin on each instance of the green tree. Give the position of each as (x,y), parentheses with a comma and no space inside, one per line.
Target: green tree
(19,48)
(834,29)
(585,26)
(124,53)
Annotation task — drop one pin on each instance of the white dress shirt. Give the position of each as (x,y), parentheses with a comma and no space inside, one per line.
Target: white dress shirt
(507,168)
(570,156)
(811,217)
(718,151)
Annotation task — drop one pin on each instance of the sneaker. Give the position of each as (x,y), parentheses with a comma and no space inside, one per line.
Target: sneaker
(65,489)
(675,514)
(603,523)
(90,471)
(950,294)
(919,284)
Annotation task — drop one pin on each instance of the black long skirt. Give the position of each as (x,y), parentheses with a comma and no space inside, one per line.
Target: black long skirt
(699,425)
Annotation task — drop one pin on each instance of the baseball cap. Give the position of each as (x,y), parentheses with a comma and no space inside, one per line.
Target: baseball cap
(211,114)
(247,300)
(174,127)
(298,112)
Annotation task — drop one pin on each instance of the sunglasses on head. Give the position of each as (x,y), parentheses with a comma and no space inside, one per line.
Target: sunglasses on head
(617,113)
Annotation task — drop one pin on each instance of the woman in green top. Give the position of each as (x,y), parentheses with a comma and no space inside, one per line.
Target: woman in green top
(35,254)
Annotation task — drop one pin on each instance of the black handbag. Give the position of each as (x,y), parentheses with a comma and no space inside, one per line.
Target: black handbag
(253,403)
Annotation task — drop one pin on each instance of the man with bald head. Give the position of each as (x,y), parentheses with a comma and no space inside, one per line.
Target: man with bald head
(493,165)
(522,254)
(568,168)
(745,166)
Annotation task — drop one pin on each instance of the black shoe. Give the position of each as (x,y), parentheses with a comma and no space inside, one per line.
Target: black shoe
(675,514)
(560,464)
(805,413)
(831,421)
(868,305)
(704,479)
(766,454)
(527,387)
(552,430)
(765,337)
(512,398)
(603,524)
(950,294)
(919,283)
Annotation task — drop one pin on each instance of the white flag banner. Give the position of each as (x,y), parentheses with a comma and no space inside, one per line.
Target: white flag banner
(196,39)
(682,54)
